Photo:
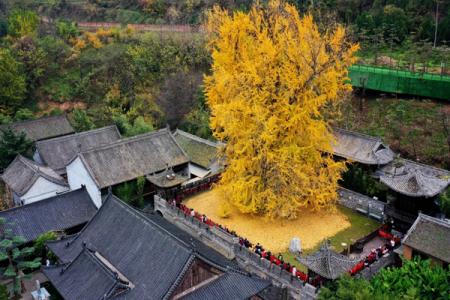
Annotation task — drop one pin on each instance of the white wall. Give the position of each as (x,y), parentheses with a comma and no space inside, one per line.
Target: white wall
(42,189)
(77,175)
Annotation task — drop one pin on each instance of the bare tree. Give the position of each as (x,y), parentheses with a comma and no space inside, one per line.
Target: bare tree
(178,96)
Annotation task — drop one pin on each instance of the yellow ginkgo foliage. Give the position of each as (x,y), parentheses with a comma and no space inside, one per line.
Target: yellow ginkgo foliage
(273,74)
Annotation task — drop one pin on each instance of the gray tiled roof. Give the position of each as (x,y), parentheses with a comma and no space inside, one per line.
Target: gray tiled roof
(430,236)
(43,128)
(96,281)
(229,286)
(200,151)
(161,179)
(414,179)
(327,263)
(22,173)
(361,148)
(57,152)
(143,248)
(60,212)
(130,158)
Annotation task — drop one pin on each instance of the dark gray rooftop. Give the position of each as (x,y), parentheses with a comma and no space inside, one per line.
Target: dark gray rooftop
(414,179)
(60,212)
(97,280)
(22,173)
(430,236)
(327,263)
(361,148)
(130,158)
(58,152)
(143,248)
(229,286)
(200,151)
(43,128)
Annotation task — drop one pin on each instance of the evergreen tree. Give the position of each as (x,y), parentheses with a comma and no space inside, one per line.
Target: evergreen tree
(16,256)
(81,121)
(11,145)
(12,82)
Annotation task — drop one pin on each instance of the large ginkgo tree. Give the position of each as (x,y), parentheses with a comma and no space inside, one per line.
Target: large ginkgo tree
(274,75)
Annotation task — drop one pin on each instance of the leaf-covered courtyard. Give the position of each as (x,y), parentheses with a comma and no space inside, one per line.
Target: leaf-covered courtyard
(342,225)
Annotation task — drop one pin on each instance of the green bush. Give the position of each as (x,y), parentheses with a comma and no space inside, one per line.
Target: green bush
(39,243)
(444,202)
(360,180)
(416,279)
(23,114)
(81,121)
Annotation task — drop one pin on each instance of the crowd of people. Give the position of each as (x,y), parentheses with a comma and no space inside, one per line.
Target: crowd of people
(244,242)
(376,254)
(277,260)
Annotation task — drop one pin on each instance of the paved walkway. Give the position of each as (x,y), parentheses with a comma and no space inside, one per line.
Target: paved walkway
(372,244)
(30,284)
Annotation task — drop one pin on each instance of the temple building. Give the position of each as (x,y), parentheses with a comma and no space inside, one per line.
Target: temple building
(56,153)
(428,237)
(148,155)
(65,212)
(128,255)
(414,188)
(42,128)
(361,148)
(27,181)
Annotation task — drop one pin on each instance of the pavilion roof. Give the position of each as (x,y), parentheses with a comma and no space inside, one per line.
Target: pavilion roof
(414,179)
(327,263)
(361,148)
(42,128)
(430,236)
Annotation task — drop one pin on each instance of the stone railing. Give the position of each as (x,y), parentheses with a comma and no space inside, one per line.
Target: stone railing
(253,263)
(214,237)
(363,204)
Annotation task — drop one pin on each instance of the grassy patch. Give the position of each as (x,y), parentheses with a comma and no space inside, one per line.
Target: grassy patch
(413,128)
(360,227)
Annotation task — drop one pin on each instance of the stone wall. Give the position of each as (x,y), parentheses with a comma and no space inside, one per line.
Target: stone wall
(363,204)
(228,245)
(371,270)
(253,263)
(214,237)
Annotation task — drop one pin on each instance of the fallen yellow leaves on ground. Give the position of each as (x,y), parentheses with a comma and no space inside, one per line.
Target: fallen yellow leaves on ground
(311,227)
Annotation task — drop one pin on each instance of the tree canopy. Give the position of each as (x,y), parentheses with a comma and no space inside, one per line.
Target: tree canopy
(22,23)
(12,81)
(273,76)
(12,144)
(416,279)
